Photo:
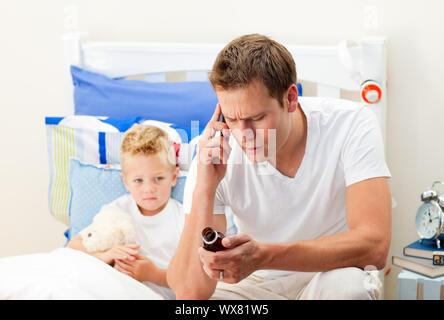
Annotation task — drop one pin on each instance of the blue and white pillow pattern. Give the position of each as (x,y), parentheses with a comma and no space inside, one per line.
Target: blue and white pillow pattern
(95,140)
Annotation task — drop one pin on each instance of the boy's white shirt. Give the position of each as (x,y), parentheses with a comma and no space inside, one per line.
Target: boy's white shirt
(344,146)
(157,235)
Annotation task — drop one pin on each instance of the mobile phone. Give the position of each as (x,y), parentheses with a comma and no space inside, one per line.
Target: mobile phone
(222,119)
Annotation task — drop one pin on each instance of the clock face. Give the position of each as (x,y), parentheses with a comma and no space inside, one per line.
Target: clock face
(428,220)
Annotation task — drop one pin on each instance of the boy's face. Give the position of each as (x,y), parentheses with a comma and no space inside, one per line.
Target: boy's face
(149,180)
(259,123)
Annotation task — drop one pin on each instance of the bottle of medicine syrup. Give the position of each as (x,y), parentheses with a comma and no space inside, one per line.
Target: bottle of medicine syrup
(212,239)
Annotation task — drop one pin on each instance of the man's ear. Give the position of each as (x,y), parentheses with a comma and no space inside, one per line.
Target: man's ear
(292,98)
(175,176)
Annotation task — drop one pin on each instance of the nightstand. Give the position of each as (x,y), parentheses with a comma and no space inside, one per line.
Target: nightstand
(413,286)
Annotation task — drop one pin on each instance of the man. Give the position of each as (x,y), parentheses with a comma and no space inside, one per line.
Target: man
(310,193)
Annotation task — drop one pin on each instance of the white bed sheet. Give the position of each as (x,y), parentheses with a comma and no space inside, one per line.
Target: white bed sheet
(67,274)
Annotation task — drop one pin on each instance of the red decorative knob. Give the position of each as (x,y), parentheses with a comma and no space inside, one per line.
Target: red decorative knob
(371,91)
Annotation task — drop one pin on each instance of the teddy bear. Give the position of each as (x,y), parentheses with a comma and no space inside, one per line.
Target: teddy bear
(110,227)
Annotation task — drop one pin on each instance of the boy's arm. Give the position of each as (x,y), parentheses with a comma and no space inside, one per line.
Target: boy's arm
(77,244)
(143,269)
(159,277)
(155,274)
(120,252)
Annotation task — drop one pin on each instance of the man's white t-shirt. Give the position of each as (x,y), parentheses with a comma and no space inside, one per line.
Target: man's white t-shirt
(344,146)
(157,235)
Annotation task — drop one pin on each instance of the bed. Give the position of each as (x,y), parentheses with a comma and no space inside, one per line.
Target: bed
(83,142)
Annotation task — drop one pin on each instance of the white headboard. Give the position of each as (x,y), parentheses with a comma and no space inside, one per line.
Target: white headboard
(323,65)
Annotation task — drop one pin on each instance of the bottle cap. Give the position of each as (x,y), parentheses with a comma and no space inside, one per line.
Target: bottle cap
(209,235)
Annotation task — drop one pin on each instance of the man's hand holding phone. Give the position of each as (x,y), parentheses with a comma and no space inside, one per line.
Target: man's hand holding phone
(213,152)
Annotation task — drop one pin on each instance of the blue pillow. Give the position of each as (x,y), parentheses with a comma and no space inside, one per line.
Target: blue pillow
(299,89)
(176,102)
(93,186)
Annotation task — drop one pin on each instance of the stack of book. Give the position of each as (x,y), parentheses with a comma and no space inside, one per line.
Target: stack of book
(423,258)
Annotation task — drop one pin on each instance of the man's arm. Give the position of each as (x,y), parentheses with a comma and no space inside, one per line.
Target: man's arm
(368,210)
(185,272)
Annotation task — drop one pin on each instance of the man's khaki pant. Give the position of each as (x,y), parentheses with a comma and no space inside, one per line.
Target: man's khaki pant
(338,284)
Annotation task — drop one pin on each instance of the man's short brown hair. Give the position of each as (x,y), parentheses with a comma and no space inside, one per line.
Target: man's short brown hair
(254,57)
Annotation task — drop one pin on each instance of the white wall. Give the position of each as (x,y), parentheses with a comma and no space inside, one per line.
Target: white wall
(31,86)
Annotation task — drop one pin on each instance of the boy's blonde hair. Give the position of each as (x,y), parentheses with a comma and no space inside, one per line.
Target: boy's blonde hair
(149,141)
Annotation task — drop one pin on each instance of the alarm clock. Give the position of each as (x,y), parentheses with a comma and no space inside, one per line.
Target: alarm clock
(430,217)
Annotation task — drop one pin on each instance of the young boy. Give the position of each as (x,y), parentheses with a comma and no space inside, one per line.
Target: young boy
(149,172)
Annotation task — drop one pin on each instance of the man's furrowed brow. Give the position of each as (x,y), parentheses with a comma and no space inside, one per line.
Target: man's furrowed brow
(246,118)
